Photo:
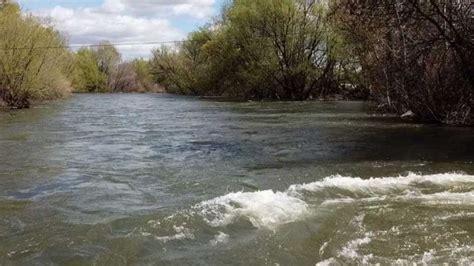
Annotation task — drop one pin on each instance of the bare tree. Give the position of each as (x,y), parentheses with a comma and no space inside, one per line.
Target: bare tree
(416,55)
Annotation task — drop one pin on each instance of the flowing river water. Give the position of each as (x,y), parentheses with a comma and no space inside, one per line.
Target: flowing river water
(117,179)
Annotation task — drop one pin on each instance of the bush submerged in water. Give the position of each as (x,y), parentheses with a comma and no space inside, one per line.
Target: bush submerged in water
(405,55)
(416,56)
(266,49)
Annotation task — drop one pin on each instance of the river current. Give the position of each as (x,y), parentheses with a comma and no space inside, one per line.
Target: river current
(120,179)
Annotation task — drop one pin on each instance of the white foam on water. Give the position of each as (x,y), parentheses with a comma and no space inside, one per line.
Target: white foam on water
(383,185)
(457,256)
(328,262)
(221,238)
(323,247)
(269,209)
(459,215)
(351,250)
(264,209)
(428,256)
(464,255)
(181,234)
(441,198)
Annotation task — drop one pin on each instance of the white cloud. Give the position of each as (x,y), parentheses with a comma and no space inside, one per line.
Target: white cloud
(127,21)
(114,6)
(190,9)
(198,9)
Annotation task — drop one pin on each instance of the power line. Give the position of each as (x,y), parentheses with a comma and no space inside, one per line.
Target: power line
(145,2)
(93,45)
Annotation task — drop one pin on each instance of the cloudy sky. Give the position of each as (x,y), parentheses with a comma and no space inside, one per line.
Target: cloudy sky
(125,21)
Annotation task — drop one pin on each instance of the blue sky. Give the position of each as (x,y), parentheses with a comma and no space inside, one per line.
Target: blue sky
(124,21)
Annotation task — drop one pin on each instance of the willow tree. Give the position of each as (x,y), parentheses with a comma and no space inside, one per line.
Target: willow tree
(293,40)
(108,60)
(187,67)
(88,76)
(142,69)
(277,49)
(97,67)
(32,63)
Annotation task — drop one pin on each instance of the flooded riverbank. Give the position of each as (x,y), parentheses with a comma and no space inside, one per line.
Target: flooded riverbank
(158,179)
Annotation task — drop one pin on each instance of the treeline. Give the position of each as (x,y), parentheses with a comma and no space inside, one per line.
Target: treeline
(264,49)
(101,69)
(414,58)
(36,65)
(411,57)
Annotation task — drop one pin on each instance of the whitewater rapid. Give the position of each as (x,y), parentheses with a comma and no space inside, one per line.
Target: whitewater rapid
(270,209)
(361,215)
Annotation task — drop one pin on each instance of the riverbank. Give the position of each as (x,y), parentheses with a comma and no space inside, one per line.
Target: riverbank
(371,106)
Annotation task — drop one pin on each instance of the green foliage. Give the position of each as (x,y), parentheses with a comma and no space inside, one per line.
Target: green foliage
(108,57)
(101,69)
(414,57)
(88,77)
(142,69)
(275,49)
(27,70)
(33,66)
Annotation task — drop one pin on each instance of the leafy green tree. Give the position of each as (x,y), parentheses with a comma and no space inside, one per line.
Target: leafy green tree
(142,69)
(276,49)
(101,69)
(33,66)
(108,59)
(88,76)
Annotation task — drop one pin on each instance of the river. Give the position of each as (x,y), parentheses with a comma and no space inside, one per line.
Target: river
(120,179)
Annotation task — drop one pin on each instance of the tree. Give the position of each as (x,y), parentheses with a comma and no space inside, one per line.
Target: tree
(124,79)
(276,49)
(28,68)
(88,76)
(144,76)
(416,56)
(101,69)
(108,59)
